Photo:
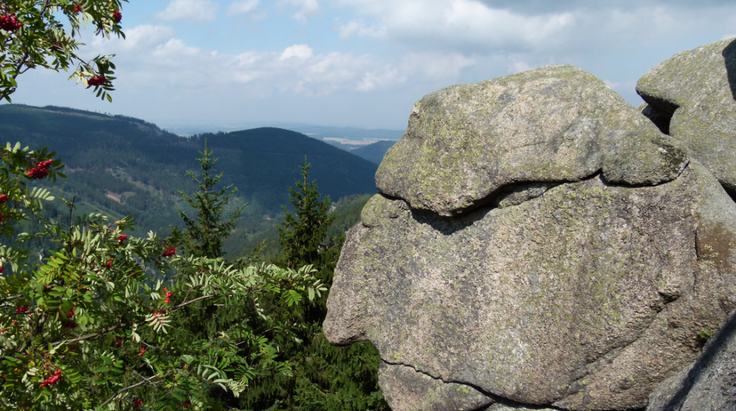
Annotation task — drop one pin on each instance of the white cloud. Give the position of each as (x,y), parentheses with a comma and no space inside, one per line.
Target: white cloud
(452,24)
(154,59)
(192,11)
(173,50)
(301,51)
(416,46)
(568,31)
(435,66)
(242,7)
(146,35)
(359,28)
(380,79)
(306,7)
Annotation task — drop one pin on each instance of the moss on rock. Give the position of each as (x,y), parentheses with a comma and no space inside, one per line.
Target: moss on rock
(465,143)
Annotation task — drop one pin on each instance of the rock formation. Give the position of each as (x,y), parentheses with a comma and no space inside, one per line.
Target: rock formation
(537,242)
(692,97)
(466,143)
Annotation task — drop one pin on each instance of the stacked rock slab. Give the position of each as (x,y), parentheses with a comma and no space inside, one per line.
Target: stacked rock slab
(466,143)
(691,97)
(537,242)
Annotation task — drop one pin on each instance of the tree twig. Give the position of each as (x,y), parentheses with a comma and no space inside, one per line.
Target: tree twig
(122,390)
(90,336)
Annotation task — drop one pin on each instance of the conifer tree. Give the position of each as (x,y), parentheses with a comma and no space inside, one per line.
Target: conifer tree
(302,234)
(325,377)
(205,235)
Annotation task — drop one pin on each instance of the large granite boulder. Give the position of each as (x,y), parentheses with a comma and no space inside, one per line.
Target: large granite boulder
(465,143)
(530,249)
(691,97)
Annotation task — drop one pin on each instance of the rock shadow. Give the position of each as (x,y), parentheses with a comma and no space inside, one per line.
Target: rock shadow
(508,196)
(729,55)
(702,364)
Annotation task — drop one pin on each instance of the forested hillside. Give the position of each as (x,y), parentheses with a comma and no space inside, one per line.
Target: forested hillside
(94,316)
(121,166)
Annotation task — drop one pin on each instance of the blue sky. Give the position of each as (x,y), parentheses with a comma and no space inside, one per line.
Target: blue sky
(227,64)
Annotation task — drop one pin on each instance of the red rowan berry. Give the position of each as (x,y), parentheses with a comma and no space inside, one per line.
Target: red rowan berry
(41,170)
(10,23)
(97,81)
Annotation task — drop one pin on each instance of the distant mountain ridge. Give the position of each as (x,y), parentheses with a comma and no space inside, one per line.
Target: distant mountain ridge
(374,152)
(119,165)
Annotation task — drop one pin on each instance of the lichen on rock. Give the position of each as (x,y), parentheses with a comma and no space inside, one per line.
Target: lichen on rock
(691,96)
(538,242)
(465,143)
(553,301)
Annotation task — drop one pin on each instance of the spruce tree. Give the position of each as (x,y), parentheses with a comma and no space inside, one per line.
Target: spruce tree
(204,236)
(302,234)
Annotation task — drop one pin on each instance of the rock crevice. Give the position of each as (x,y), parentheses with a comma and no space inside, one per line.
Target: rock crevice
(456,395)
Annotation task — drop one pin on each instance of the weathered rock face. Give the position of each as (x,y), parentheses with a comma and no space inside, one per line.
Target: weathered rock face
(710,384)
(465,143)
(530,248)
(691,96)
(584,298)
(419,391)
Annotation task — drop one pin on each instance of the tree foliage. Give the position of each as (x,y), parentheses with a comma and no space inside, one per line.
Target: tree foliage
(92,326)
(325,378)
(302,234)
(32,35)
(205,235)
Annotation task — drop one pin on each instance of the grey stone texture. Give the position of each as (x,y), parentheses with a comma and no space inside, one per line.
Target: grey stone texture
(537,242)
(584,298)
(415,391)
(710,384)
(691,96)
(465,143)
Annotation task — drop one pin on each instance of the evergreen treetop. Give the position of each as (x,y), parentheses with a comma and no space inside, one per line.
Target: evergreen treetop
(302,234)
(205,235)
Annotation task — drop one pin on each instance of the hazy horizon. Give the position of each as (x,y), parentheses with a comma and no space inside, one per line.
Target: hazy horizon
(357,63)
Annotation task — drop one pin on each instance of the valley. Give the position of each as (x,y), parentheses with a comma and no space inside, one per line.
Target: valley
(118,166)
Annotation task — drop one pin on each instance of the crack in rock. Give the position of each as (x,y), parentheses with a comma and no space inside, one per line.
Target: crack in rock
(407,388)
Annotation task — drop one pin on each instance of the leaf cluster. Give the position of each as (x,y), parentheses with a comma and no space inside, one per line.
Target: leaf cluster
(42,40)
(92,325)
(302,233)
